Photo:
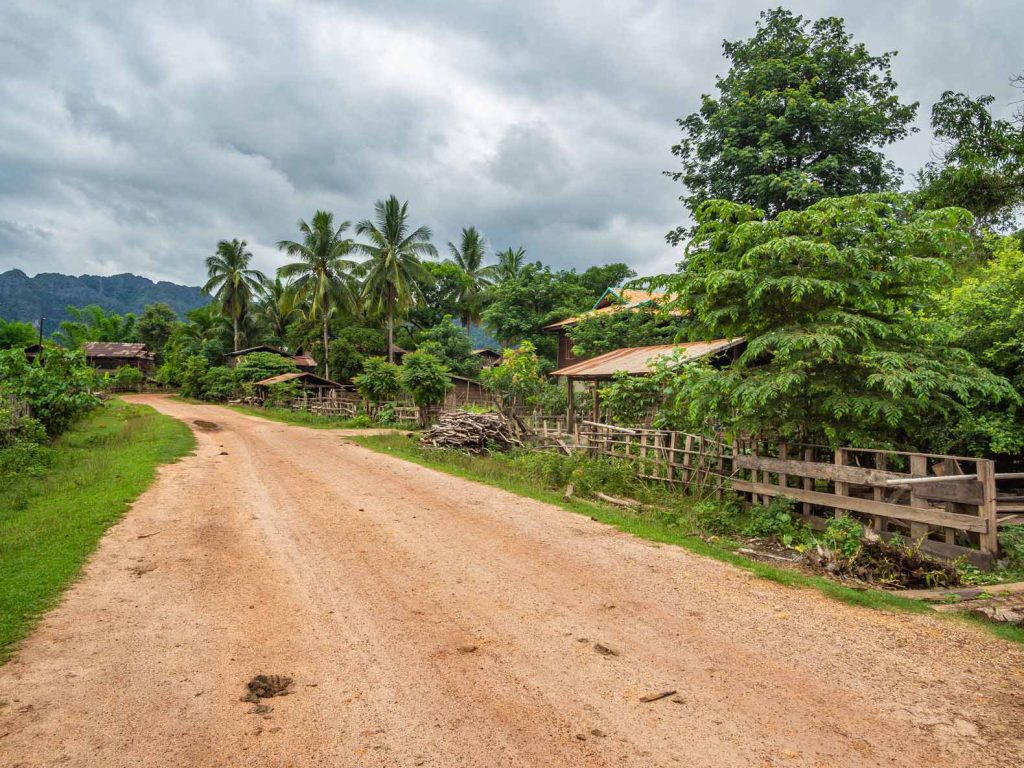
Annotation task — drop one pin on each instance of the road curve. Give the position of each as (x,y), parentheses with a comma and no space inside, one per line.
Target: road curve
(431,621)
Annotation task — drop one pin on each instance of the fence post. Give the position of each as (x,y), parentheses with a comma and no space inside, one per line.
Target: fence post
(987,476)
(919,468)
(783,454)
(808,482)
(842,489)
(879,523)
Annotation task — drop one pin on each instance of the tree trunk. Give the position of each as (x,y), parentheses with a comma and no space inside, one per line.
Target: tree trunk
(327,373)
(235,321)
(391,326)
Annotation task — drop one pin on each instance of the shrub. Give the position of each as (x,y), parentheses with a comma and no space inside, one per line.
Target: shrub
(128,378)
(776,521)
(426,378)
(218,384)
(587,475)
(58,393)
(378,381)
(191,376)
(257,366)
(517,380)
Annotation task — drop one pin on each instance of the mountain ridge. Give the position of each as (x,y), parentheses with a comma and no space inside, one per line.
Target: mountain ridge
(48,294)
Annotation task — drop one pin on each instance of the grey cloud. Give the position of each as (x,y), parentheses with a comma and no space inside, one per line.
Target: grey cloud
(134,140)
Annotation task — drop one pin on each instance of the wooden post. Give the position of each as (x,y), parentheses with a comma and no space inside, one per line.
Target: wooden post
(672,457)
(570,405)
(808,482)
(596,412)
(783,454)
(842,489)
(987,476)
(879,523)
(688,458)
(919,468)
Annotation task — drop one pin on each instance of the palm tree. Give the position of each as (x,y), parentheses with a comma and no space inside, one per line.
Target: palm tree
(509,263)
(279,308)
(232,284)
(469,256)
(393,272)
(320,276)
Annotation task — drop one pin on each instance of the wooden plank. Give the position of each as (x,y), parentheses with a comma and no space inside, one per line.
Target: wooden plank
(918,468)
(808,482)
(868,506)
(842,487)
(817,470)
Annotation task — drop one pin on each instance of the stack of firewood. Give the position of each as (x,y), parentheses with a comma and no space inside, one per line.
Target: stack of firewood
(475,432)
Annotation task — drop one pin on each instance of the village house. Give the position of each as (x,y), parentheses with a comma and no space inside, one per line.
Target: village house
(111,355)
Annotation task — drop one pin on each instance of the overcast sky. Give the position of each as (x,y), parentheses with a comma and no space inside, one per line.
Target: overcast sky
(134,136)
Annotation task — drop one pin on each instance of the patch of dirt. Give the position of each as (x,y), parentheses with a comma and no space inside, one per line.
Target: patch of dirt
(266,687)
(206,426)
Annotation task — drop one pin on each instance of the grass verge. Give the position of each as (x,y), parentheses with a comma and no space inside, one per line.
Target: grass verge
(500,474)
(50,524)
(307,419)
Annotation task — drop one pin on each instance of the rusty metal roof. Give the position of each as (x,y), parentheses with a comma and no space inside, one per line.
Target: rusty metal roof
(115,349)
(638,360)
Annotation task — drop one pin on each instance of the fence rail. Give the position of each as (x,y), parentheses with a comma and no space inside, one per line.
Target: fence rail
(949,505)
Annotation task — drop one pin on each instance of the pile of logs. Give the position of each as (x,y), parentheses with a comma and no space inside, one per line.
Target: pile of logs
(474,432)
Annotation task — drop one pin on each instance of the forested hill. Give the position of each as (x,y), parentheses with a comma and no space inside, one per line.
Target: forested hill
(48,294)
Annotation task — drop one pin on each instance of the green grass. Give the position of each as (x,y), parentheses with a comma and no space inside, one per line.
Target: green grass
(50,523)
(307,419)
(499,473)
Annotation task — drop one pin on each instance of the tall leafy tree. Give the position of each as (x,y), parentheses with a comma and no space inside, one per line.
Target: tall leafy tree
(394,272)
(469,255)
(320,273)
(510,261)
(981,165)
(829,301)
(801,115)
(233,284)
(155,325)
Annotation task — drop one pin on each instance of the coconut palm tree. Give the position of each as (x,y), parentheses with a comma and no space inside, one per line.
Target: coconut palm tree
(469,256)
(232,283)
(321,273)
(393,273)
(278,309)
(509,263)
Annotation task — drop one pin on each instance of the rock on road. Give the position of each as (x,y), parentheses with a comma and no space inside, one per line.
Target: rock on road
(431,621)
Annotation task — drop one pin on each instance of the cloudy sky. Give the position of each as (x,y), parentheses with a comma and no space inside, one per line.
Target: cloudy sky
(133,136)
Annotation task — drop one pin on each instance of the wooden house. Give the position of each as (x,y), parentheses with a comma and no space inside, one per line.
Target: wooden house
(111,355)
(309,383)
(488,357)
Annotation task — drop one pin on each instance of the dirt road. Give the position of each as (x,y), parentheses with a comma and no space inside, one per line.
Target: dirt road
(431,621)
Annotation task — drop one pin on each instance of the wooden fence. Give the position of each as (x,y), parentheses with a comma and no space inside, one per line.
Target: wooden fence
(952,506)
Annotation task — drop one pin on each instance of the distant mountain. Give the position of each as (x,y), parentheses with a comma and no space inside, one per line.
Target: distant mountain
(48,294)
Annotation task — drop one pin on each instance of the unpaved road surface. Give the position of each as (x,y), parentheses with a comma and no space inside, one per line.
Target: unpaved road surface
(431,621)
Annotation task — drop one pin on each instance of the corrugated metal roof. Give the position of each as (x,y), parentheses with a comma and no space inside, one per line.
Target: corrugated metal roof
(115,349)
(630,300)
(638,360)
(304,375)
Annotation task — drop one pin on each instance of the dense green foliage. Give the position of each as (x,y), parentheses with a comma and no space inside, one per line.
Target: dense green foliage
(426,378)
(801,115)
(828,300)
(233,283)
(16,334)
(56,394)
(155,325)
(379,380)
(257,366)
(640,327)
(449,343)
(517,381)
(93,323)
(981,167)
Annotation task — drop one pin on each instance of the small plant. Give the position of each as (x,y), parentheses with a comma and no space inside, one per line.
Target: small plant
(776,521)
(843,536)
(1011,544)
